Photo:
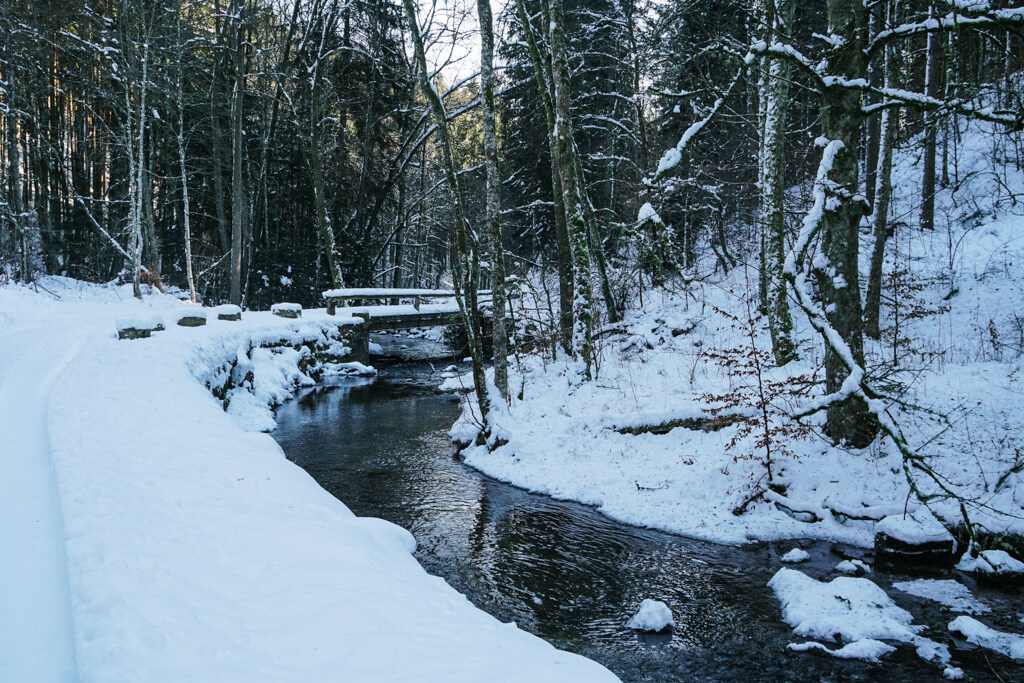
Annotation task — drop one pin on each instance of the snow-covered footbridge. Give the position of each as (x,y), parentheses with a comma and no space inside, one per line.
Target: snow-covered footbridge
(418,313)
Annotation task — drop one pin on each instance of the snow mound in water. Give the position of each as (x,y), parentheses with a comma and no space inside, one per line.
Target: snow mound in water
(854,611)
(945,591)
(853,567)
(868,649)
(1009,644)
(653,615)
(796,555)
(846,608)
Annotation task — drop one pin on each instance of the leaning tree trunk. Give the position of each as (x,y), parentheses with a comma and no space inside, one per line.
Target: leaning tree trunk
(499,334)
(468,260)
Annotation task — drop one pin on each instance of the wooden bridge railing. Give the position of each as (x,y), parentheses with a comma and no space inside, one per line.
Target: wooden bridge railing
(337,298)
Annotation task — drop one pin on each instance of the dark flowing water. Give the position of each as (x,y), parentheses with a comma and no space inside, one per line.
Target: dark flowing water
(571,575)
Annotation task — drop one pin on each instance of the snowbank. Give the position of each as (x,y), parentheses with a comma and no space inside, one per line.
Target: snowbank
(189,549)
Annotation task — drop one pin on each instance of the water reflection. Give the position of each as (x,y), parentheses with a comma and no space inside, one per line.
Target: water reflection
(566,572)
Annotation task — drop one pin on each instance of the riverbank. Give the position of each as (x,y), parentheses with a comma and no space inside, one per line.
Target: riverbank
(572,575)
(148,537)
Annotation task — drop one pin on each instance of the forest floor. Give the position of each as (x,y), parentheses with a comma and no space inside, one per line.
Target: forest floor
(148,536)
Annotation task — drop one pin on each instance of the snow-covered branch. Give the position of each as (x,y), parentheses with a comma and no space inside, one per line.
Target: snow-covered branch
(961,17)
(674,155)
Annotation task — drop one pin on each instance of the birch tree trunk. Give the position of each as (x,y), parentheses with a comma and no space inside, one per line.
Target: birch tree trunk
(774,104)
(186,210)
(575,221)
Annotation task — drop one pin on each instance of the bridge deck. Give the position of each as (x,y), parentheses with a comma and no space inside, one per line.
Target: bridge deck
(404,316)
(337,298)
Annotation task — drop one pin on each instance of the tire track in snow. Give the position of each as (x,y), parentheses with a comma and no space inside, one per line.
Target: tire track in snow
(36,629)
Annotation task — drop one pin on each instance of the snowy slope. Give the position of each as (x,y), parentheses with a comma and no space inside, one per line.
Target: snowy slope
(688,356)
(173,545)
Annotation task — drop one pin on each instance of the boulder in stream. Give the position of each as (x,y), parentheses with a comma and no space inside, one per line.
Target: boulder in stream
(653,616)
(916,538)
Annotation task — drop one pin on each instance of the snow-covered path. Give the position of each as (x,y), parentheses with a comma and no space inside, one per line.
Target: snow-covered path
(36,634)
(147,537)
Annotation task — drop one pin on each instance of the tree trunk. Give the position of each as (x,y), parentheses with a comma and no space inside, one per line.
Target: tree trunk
(238,208)
(880,210)
(217,153)
(774,103)
(499,335)
(566,286)
(931,84)
(841,120)
(186,209)
(575,221)
(468,259)
(325,228)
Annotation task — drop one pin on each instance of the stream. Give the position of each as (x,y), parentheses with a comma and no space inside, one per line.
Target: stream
(572,576)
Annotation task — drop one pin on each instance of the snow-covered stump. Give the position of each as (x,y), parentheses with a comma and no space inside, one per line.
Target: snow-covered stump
(917,538)
(228,312)
(191,318)
(286,310)
(138,327)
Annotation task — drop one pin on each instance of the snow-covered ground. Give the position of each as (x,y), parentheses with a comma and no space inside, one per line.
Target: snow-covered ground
(685,360)
(147,536)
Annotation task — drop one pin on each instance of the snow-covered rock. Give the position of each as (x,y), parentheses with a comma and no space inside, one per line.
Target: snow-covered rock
(653,616)
(993,562)
(1009,644)
(866,649)
(228,312)
(849,610)
(190,316)
(287,310)
(138,325)
(915,537)
(950,593)
(853,567)
(795,556)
